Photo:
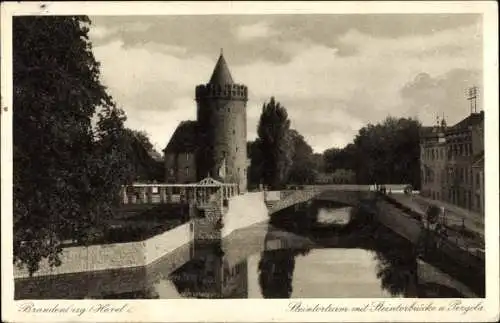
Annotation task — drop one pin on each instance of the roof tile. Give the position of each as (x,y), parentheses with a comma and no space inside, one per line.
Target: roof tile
(184,138)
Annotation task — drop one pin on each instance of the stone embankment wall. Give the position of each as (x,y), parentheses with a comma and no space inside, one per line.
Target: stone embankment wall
(441,251)
(207,222)
(401,224)
(103,283)
(114,256)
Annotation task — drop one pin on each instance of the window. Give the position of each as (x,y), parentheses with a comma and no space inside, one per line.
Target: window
(201,214)
(236,149)
(187,171)
(187,156)
(234,132)
(477,179)
(171,172)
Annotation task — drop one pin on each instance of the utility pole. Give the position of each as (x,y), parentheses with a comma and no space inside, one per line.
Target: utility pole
(472,94)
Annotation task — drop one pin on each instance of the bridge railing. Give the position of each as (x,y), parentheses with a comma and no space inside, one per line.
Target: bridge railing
(294,197)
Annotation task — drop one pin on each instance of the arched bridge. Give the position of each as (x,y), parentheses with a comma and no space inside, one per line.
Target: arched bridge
(351,195)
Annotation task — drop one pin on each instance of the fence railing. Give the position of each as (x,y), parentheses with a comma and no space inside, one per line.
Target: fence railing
(175,193)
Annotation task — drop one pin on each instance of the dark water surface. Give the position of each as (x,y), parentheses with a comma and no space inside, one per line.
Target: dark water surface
(316,250)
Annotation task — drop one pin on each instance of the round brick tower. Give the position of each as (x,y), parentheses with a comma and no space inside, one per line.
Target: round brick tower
(222,127)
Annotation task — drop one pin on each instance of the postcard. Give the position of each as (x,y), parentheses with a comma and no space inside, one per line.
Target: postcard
(250,161)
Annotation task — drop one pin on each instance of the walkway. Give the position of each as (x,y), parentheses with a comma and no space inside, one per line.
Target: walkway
(454,215)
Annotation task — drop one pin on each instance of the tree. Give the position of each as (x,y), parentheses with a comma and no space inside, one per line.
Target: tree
(256,160)
(143,138)
(332,158)
(275,144)
(66,177)
(303,169)
(387,152)
(139,150)
(337,158)
(319,162)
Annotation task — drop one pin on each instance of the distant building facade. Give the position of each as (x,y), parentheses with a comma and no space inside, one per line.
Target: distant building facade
(215,144)
(465,142)
(340,176)
(433,161)
(478,183)
(451,160)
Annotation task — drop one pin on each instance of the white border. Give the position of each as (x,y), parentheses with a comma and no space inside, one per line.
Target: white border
(256,310)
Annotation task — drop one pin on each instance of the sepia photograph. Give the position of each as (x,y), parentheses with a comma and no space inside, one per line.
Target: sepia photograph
(292,156)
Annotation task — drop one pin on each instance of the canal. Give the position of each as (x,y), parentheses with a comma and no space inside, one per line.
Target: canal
(313,250)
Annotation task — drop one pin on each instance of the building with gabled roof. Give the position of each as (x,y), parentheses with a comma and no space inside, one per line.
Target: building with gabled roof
(180,154)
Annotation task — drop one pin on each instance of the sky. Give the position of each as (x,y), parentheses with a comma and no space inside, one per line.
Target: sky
(333,73)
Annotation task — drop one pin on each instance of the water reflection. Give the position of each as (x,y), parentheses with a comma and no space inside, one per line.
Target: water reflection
(388,261)
(210,275)
(311,250)
(276,272)
(334,216)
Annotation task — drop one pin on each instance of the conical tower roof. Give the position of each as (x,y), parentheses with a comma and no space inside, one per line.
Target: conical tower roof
(221,74)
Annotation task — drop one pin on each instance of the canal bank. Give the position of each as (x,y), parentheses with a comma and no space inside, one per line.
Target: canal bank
(450,255)
(266,260)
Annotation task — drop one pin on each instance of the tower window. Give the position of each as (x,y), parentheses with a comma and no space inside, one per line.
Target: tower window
(187,171)
(234,131)
(236,149)
(228,110)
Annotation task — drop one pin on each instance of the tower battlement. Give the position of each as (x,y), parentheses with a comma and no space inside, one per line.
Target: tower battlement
(222,91)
